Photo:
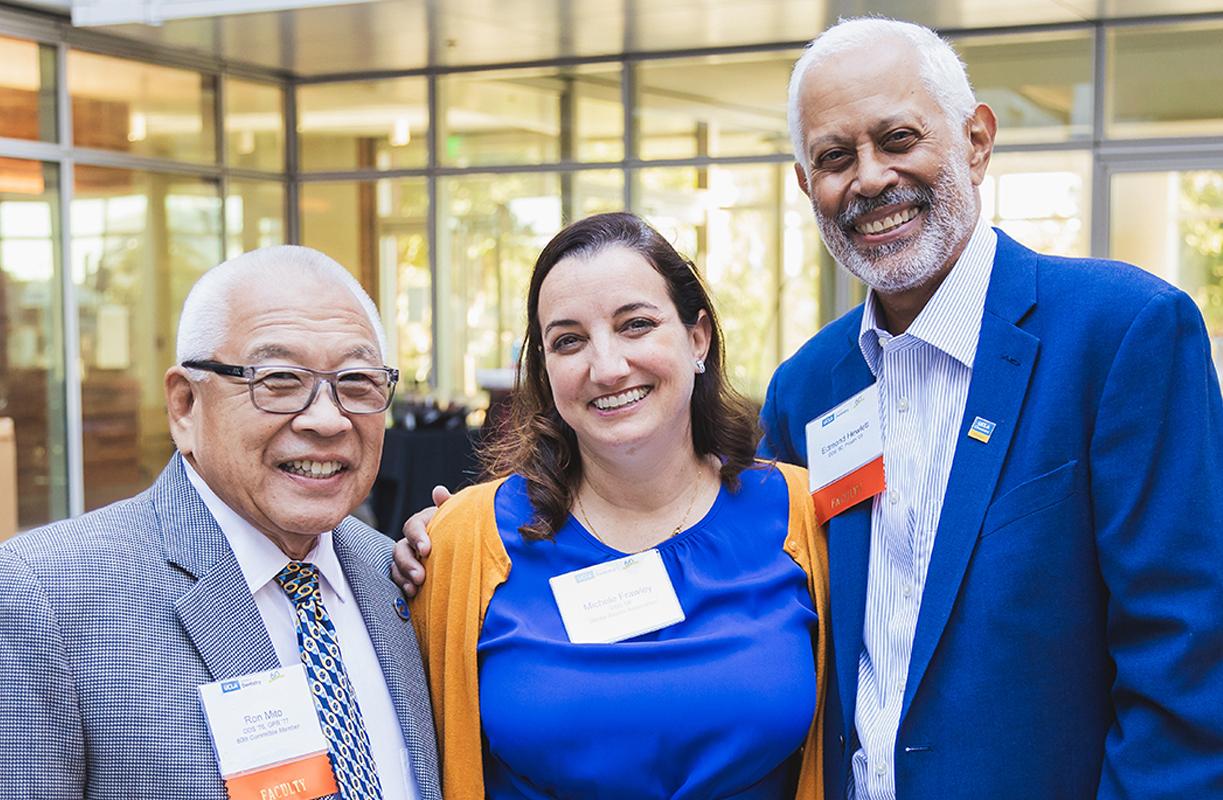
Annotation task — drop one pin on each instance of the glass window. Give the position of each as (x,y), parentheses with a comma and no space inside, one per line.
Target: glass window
(713,105)
(335,218)
(752,235)
(1171,223)
(1039,85)
(254,215)
(1164,81)
(1042,200)
(31,336)
(142,109)
(379,231)
(254,125)
(532,116)
(140,240)
(27,90)
(592,191)
(363,124)
(491,230)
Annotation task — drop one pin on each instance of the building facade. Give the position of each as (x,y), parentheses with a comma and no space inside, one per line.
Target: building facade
(127,169)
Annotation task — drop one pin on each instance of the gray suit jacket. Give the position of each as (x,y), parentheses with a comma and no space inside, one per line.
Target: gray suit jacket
(110,621)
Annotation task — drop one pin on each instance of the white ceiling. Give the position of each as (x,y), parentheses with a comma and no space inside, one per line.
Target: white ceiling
(408,34)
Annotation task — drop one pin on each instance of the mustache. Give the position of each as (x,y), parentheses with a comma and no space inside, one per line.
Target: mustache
(897,195)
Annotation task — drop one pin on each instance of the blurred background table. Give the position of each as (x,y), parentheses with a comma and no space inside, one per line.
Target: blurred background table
(413,462)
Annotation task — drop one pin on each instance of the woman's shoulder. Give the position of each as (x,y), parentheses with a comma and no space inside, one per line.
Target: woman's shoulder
(482,510)
(468,501)
(794,477)
(792,483)
(467,514)
(464,532)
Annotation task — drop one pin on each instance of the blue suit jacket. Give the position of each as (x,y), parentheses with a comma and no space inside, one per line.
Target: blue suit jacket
(110,621)
(1070,637)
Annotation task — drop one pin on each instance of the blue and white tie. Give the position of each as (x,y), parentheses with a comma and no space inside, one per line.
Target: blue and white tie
(334,699)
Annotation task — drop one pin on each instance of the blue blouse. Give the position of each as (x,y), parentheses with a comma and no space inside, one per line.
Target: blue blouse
(715,706)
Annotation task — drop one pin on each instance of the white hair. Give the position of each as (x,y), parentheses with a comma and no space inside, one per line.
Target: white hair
(204,322)
(939,68)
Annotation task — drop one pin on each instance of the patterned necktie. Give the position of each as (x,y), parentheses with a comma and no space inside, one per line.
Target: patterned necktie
(334,699)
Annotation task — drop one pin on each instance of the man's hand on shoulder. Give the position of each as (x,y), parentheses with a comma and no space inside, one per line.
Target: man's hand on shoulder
(411,551)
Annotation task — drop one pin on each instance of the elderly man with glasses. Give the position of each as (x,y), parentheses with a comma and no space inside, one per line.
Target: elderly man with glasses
(239,567)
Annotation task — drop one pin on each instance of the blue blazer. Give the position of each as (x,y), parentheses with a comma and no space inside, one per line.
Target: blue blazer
(1070,637)
(110,621)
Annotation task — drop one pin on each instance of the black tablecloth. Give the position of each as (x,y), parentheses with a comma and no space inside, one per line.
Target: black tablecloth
(413,462)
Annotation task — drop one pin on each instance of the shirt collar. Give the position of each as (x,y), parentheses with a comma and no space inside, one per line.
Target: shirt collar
(951,320)
(258,556)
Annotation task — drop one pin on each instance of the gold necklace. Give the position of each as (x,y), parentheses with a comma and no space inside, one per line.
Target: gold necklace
(696,487)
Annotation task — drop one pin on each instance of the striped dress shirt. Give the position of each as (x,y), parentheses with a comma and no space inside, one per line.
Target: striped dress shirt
(923,376)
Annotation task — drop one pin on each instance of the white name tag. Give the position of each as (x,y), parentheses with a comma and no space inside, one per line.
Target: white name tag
(617,600)
(267,736)
(845,454)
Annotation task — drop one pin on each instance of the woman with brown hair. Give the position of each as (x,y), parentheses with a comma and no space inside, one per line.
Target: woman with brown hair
(632,609)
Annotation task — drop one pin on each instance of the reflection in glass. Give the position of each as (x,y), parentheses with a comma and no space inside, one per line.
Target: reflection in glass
(491,230)
(1039,85)
(713,105)
(27,90)
(531,116)
(254,125)
(1171,223)
(142,109)
(254,215)
(378,230)
(380,124)
(139,242)
(1164,81)
(31,336)
(591,191)
(1042,200)
(752,235)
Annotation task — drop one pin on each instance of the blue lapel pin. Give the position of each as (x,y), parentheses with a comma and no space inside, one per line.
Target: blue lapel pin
(401,607)
(981,429)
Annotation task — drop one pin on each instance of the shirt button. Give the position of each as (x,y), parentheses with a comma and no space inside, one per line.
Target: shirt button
(902,405)
(907,590)
(881,770)
(894,496)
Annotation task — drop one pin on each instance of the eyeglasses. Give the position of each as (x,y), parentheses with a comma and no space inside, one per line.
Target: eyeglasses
(291,390)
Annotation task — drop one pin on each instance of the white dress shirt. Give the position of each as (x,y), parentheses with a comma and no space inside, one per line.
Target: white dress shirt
(923,376)
(261,561)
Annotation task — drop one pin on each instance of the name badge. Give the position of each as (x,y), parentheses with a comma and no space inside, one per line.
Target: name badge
(617,600)
(845,454)
(267,737)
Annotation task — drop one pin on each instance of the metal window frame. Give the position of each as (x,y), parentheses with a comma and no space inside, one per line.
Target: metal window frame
(1109,157)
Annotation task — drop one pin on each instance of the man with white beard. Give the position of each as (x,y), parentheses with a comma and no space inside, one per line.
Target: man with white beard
(1030,608)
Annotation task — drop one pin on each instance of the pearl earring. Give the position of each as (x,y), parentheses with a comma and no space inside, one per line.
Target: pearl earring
(700,366)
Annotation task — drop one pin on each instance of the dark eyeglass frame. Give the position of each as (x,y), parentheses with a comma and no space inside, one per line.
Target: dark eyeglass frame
(330,377)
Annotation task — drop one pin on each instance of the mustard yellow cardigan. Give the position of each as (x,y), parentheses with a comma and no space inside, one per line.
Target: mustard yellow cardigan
(467,565)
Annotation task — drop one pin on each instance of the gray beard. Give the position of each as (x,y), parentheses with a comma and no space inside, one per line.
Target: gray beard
(906,263)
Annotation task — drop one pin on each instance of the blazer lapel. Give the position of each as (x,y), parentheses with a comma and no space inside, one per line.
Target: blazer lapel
(849,540)
(1001,371)
(218,613)
(395,645)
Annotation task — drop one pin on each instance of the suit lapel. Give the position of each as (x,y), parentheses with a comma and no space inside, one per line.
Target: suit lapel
(221,619)
(849,539)
(218,613)
(395,645)
(1001,371)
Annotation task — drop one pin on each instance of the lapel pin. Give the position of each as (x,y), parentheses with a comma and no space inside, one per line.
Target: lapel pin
(401,607)
(981,429)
